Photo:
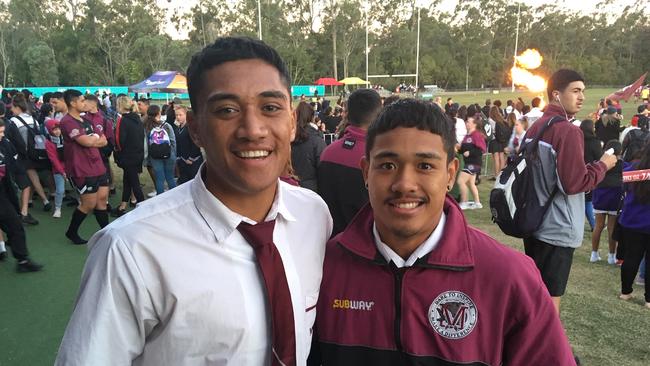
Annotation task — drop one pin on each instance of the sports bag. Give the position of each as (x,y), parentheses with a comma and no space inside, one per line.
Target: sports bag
(35,141)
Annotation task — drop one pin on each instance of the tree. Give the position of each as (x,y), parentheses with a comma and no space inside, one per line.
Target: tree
(42,64)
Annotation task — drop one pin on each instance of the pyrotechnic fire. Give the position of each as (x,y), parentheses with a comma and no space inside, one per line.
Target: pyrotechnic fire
(528,60)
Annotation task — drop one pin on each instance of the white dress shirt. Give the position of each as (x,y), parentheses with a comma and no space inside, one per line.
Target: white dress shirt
(533,115)
(175,283)
(461,130)
(422,250)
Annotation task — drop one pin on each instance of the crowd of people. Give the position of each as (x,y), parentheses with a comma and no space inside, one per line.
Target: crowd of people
(70,136)
(388,192)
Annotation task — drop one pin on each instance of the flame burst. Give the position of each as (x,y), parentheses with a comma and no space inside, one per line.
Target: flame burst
(528,60)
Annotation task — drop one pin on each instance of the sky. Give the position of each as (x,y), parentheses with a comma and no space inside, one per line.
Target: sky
(586,6)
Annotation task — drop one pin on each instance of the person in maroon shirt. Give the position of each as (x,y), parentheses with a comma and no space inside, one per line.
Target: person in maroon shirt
(410,282)
(83,164)
(103,125)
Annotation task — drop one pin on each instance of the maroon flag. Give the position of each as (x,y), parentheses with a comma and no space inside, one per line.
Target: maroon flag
(626,92)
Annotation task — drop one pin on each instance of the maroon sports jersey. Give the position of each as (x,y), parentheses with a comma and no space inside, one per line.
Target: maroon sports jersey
(80,161)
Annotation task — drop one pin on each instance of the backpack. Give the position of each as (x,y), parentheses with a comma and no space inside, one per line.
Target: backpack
(35,141)
(636,143)
(502,133)
(489,131)
(159,143)
(513,200)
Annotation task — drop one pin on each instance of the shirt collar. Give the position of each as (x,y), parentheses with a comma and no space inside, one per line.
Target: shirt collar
(222,220)
(422,250)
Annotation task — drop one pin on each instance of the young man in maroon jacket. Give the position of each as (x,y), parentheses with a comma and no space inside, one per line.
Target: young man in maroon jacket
(409,282)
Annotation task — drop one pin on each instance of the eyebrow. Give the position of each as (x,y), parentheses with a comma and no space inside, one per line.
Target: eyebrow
(421,155)
(265,94)
(429,155)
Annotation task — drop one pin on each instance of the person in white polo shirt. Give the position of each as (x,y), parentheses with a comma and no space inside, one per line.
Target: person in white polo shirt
(225,269)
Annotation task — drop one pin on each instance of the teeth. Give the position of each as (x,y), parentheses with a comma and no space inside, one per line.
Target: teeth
(407,205)
(253,154)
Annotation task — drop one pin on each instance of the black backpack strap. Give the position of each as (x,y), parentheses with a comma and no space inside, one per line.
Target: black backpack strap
(33,128)
(539,135)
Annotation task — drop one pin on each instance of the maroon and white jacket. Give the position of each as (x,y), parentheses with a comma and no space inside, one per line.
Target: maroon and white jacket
(471,301)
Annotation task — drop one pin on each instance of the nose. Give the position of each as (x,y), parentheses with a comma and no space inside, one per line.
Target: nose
(252,126)
(405,181)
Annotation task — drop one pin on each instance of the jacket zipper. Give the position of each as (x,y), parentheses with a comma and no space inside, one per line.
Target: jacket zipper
(399,276)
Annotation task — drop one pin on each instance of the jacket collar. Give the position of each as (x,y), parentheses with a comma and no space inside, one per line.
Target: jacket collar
(355,132)
(453,252)
(553,110)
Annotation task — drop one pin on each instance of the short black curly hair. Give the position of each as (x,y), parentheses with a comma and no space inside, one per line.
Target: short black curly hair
(227,49)
(413,113)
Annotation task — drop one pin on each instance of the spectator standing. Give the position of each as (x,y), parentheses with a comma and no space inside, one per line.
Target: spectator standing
(129,154)
(189,157)
(608,127)
(606,202)
(472,149)
(502,134)
(55,152)
(635,228)
(9,217)
(409,282)
(307,147)
(340,182)
(24,133)
(161,148)
(83,163)
(535,112)
(248,261)
(561,152)
(593,151)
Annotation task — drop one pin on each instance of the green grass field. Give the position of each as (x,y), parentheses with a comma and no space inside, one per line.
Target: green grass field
(35,307)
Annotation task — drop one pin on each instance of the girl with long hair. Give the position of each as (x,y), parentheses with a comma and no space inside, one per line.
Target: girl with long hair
(307,147)
(635,228)
(472,149)
(163,167)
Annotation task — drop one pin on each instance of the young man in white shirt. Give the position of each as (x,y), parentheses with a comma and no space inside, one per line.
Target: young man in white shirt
(179,281)
(535,112)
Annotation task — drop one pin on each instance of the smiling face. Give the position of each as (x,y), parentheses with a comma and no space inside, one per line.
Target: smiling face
(244,121)
(407,175)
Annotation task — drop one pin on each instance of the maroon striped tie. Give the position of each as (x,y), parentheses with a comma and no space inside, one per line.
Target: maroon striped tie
(283,333)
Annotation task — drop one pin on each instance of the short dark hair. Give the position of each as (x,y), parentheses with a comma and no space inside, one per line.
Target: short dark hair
(3,109)
(363,107)
(412,113)
(57,95)
(641,108)
(560,80)
(536,102)
(92,97)
(46,97)
(70,95)
(227,49)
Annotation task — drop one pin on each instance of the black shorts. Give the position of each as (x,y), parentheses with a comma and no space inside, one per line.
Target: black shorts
(88,185)
(472,169)
(553,262)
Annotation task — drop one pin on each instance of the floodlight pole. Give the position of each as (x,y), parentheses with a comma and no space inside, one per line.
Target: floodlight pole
(417,57)
(366,5)
(514,60)
(259,20)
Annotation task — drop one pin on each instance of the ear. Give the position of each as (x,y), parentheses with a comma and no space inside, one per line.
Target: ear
(452,170)
(293,124)
(193,125)
(364,164)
